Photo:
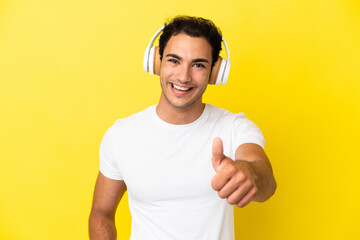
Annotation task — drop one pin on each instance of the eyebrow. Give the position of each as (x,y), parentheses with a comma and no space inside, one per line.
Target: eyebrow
(194,60)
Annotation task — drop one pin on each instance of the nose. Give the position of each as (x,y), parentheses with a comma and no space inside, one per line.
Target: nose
(183,74)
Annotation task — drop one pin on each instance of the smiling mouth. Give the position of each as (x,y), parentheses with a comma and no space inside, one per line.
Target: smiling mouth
(180,88)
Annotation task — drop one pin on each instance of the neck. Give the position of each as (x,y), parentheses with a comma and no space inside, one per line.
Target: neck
(177,115)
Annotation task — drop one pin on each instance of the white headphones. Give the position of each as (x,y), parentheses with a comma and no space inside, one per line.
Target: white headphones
(219,73)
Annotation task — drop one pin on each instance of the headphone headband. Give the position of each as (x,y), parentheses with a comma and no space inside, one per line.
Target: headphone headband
(219,73)
(146,63)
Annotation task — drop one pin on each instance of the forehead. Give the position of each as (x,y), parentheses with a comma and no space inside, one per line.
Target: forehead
(183,44)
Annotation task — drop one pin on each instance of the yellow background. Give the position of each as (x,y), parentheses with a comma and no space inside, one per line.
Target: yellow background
(69,69)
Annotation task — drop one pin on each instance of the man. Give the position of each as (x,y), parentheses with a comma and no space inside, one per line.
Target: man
(184,163)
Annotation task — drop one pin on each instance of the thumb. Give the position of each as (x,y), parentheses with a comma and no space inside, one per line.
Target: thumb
(217,153)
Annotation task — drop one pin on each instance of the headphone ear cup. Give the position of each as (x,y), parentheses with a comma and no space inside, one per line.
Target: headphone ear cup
(146,59)
(157,61)
(226,72)
(151,60)
(221,72)
(154,61)
(215,71)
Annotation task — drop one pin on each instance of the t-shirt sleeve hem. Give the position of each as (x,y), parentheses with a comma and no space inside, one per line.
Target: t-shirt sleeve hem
(247,131)
(256,140)
(109,174)
(108,165)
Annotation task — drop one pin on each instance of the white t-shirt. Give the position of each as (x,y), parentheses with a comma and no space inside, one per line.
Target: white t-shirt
(167,170)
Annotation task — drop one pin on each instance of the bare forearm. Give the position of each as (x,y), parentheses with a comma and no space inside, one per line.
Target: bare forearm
(101,226)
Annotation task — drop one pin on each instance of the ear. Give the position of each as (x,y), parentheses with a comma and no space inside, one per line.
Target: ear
(157,61)
(215,71)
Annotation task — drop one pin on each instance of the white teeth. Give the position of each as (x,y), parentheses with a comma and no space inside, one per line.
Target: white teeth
(180,88)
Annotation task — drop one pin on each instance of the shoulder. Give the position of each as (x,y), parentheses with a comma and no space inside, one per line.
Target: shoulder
(237,121)
(221,113)
(132,122)
(136,118)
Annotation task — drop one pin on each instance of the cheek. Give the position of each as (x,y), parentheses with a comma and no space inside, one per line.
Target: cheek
(166,71)
(201,76)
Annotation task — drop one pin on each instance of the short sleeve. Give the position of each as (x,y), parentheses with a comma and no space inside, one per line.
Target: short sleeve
(108,165)
(245,131)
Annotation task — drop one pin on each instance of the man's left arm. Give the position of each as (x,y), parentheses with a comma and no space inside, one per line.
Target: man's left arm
(247,178)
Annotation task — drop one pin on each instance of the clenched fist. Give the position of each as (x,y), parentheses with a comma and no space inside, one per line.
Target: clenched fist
(234,180)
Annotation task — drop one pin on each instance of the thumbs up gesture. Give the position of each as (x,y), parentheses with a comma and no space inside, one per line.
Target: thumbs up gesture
(234,180)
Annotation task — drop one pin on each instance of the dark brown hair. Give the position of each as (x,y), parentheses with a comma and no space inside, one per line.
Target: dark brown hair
(194,27)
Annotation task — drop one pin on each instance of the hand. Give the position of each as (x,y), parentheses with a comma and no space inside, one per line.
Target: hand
(233,180)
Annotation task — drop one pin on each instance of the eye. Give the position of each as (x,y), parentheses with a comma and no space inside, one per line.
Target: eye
(199,65)
(172,60)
